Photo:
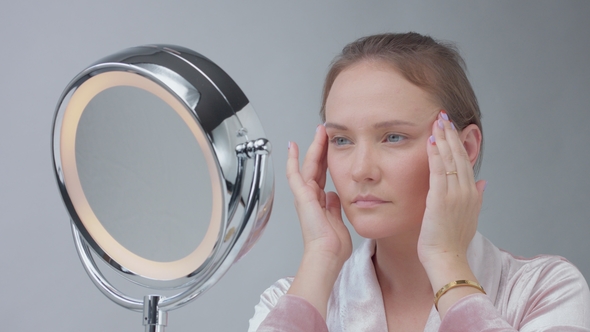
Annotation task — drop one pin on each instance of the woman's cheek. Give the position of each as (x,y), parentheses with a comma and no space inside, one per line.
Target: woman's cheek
(337,171)
(419,174)
(409,172)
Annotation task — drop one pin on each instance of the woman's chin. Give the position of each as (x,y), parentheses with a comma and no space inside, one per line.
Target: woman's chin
(371,227)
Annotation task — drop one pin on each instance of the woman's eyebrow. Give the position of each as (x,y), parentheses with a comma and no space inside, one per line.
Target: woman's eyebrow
(335,126)
(378,125)
(393,123)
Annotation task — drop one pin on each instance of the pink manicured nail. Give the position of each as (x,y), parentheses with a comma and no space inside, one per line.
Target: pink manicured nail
(318,127)
(431,139)
(444,115)
(453,126)
(289,145)
(440,124)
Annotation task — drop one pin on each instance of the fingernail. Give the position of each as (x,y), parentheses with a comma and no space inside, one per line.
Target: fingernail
(444,115)
(318,127)
(431,139)
(289,145)
(453,126)
(440,124)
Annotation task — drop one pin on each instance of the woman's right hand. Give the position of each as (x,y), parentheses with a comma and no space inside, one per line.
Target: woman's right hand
(327,243)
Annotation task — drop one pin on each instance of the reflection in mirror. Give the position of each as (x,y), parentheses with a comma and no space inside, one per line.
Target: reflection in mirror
(140,168)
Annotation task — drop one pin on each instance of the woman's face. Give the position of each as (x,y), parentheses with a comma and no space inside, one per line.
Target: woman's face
(378,126)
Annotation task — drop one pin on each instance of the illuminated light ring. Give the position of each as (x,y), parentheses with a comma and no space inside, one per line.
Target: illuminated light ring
(141,266)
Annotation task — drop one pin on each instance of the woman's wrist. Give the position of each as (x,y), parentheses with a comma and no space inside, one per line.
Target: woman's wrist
(315,279)
(447,268)
(454,284)
(444,269)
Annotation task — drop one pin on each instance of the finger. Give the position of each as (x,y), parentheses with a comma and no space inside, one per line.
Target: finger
(324,165)
(438,181)
(446,154)
(314,165)
(304,191)
(334,208)
(461,158)
(333,205)
(293,162)
(294,177)
(481,187)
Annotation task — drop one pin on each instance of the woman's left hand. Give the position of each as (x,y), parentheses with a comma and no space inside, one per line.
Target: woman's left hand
(452,204)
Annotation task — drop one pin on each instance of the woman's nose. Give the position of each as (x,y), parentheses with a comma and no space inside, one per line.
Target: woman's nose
(364,165)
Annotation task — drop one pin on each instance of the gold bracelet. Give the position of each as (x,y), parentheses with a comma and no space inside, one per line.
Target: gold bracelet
(453,284)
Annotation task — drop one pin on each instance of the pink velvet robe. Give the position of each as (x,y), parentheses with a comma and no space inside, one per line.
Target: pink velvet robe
(543,293)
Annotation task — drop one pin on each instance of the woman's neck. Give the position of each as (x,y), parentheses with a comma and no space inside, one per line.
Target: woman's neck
(405,287)
(398,269)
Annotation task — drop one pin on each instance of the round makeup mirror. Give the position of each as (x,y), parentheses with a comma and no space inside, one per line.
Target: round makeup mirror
(165,171)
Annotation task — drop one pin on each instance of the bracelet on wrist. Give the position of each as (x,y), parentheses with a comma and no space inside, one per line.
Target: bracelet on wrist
(453,284)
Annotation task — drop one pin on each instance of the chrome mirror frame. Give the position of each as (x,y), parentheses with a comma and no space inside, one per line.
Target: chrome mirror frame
(221,116)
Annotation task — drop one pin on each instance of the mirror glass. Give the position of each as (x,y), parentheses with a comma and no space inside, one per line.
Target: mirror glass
(141,169)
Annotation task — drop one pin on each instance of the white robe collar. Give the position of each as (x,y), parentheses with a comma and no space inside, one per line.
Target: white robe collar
(356,303)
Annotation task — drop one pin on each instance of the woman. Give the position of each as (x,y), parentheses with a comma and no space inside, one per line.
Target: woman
(401,139)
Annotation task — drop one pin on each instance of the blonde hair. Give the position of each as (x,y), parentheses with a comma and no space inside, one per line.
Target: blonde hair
(434,66)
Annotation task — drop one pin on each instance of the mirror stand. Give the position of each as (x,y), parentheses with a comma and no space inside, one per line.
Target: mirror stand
(154,319)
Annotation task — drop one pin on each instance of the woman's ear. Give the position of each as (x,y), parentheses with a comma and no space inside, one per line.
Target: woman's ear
(471,138)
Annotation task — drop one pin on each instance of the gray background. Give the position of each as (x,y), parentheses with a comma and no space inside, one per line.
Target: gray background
(528,62)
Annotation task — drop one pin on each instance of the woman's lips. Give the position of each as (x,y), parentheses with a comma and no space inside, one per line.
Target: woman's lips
(367,201)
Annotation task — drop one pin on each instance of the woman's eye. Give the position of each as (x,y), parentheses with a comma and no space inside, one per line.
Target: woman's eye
(340,141)
(392,138)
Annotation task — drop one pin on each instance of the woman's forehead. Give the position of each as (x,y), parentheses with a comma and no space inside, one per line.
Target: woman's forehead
(373,93)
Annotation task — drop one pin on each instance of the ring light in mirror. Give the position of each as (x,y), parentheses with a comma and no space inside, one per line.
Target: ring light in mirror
(165,171)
